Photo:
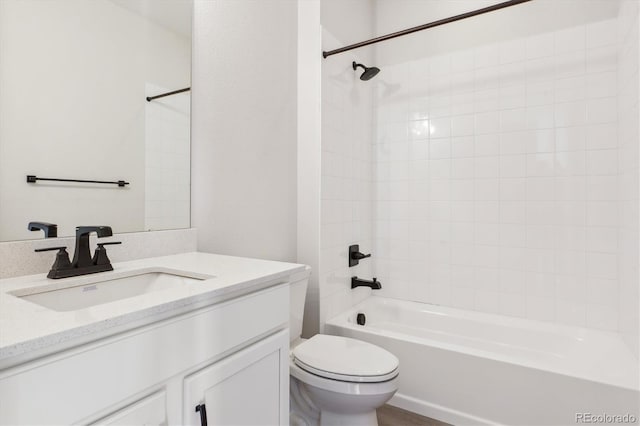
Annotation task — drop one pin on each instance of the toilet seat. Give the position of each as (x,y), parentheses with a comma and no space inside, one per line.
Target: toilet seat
(340,387)
(344,359)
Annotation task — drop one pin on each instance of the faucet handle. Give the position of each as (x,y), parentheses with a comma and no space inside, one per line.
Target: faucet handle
(61,248)
(61,263)
(100,257)
(110,243)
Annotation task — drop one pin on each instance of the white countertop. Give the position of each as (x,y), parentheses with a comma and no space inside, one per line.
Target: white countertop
(28,330)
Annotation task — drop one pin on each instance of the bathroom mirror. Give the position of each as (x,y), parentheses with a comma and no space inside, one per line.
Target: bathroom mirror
(74,80)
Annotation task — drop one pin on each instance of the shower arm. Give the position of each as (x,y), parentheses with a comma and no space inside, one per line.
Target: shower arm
(487,9)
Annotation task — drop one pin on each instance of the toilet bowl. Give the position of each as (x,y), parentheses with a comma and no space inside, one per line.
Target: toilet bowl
(336,380)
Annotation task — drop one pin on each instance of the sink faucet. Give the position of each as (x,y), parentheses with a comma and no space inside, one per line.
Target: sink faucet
(82,256)
(50,229)
(83,263)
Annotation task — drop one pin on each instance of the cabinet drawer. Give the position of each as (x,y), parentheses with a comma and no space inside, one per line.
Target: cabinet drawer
(149,411)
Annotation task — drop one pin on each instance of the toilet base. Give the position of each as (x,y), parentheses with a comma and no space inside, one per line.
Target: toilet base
(347,404)
(327,418)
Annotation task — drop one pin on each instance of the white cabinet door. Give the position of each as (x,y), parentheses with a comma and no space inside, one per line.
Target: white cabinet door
(251,387)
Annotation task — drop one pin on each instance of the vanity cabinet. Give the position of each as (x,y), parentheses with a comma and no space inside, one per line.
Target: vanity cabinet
(230,356)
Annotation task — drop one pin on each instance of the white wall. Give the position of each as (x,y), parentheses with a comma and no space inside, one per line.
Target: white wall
(628,176)
(347,128)
(496,167)
(309,154)
(244,127)
(72,78)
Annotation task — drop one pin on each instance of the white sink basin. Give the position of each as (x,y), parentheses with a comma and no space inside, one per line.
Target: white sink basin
(91,290)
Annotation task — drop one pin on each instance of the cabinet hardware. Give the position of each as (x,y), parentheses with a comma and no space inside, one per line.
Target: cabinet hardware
(203,414)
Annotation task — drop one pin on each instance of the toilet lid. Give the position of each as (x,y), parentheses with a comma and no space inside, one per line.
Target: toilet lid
(342,358)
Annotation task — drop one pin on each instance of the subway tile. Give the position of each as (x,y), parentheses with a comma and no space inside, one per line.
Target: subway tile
(514,212)
(540,117)
(514,143)
(604,110)
(570,312)
(570,237)
(513,120)
(602,188)
(602,265)
(487,189)
(462,125)
(602,317)
(601,136)
(513,235)
(603,240)
(570,40)
(541,140)
(512,51)
(601,59)
(569,64)
(571,163)
(571,138)
(513,189)
(462,168)
(570,89)
(487,167)
(462,147)
(540,93)
(540,236)
(540,164)
(487,122)
(540,188)
(570,114)
(539,46)
(602,84)
(602,213)
(601,33)
(512,166)
(487,145)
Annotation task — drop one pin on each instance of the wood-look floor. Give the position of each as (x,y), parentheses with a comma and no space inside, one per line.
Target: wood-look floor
(393,416)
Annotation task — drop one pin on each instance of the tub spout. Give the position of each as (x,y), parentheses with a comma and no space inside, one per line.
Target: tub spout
(358,282)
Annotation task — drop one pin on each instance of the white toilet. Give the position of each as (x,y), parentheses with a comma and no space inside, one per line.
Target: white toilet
(335,380)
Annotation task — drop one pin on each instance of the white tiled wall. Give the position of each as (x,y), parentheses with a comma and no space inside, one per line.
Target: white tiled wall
(167,160)
(496,176)
(629,134)
(347,187)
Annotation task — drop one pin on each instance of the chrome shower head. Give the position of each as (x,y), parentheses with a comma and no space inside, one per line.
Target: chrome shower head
(369,72)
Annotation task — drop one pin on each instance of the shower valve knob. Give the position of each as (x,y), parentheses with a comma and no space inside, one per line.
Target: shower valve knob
(355,256)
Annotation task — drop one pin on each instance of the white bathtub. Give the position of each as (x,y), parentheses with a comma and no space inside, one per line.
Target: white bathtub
(466,367)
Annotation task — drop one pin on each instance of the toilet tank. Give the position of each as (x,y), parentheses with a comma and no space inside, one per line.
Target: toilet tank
(297,295)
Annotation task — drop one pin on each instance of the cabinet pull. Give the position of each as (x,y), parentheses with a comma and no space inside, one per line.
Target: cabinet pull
(203,414)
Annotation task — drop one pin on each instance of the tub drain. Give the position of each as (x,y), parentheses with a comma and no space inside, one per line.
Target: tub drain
(361,319)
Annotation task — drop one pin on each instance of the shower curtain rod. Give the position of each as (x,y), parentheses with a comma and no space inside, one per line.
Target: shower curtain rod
(425,26)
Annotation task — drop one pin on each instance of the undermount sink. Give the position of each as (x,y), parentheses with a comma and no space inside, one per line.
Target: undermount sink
(92,290)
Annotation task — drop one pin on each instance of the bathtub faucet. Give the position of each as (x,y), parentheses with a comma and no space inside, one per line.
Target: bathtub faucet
(358,282)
